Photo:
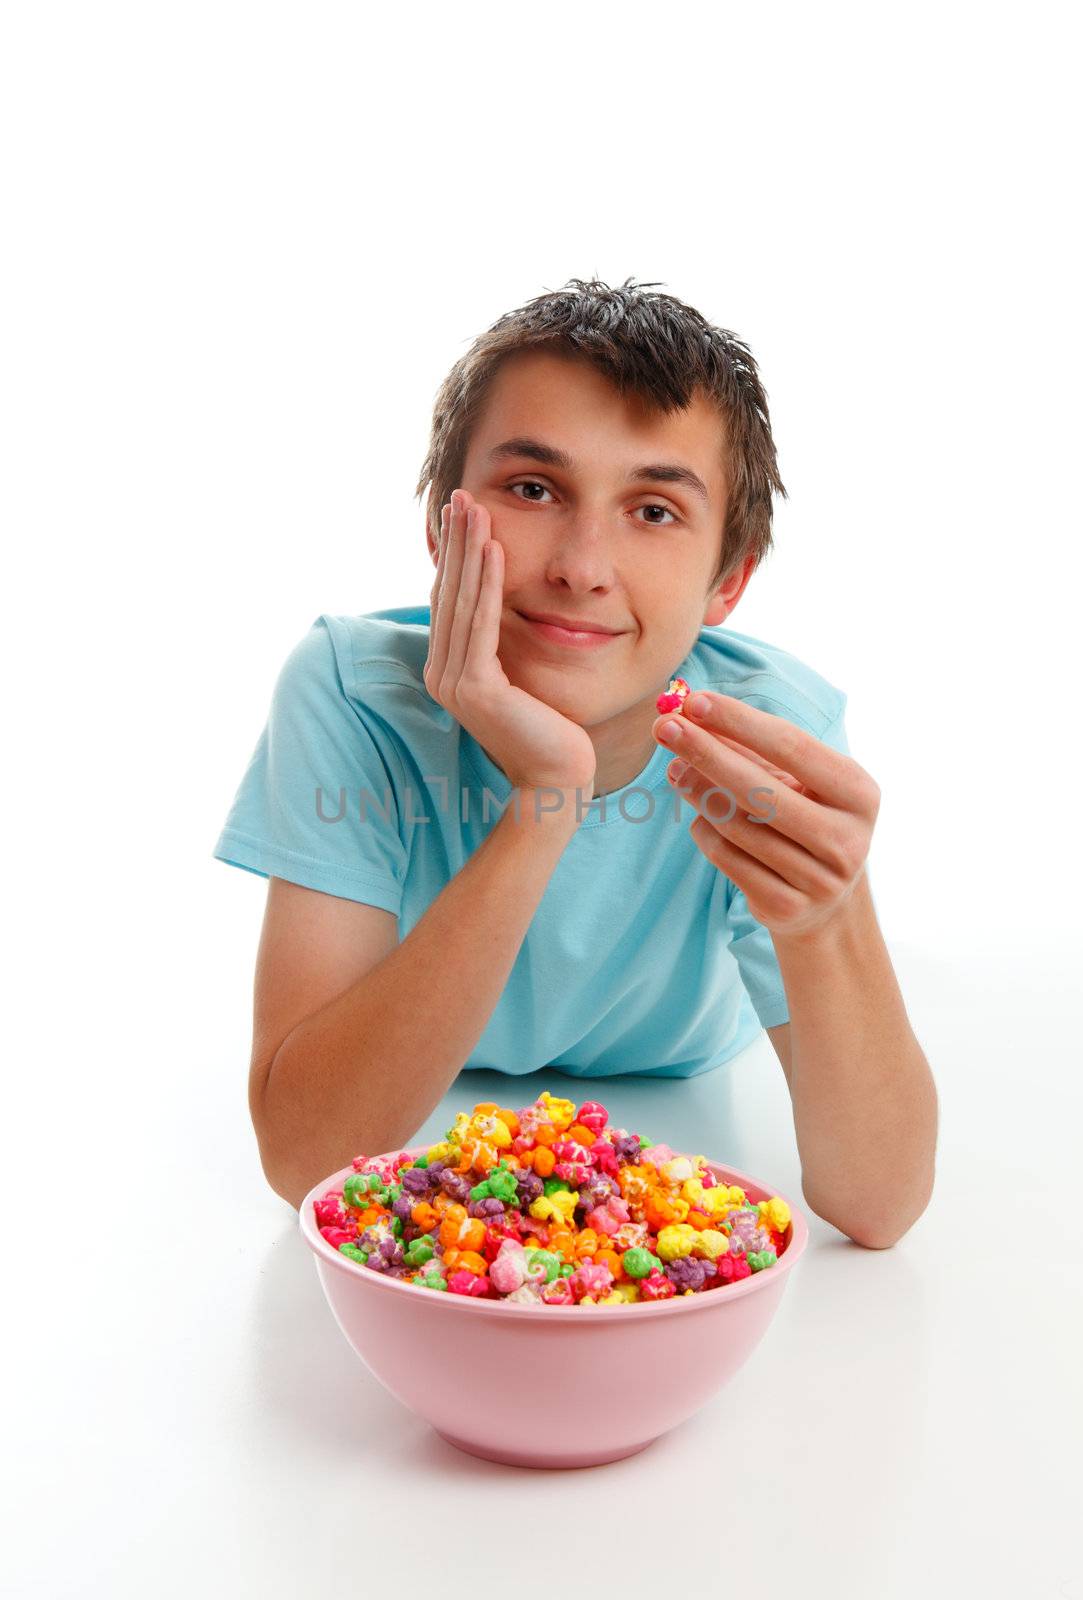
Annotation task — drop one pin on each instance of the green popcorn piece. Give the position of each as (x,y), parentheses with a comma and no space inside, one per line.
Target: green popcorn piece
(758,1259)
(549,1260)
(503,1186)
(418,1251)
(397,1225)
(638,1262)
(422,1161)
(354,1253)
(554,1185)
(356,1188)
(481,1191)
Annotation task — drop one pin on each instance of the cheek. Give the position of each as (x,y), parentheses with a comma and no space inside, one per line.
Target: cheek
(519,576)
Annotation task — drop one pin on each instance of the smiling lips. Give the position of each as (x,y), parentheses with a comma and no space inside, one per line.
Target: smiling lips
(571,633)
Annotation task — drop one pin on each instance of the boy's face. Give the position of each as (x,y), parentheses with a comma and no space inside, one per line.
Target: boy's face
(587,541)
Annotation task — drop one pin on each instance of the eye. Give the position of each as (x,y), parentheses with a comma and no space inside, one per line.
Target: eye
(529,483)
(666,509)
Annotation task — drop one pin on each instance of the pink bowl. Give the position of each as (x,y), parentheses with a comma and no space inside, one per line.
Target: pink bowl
(550,1386)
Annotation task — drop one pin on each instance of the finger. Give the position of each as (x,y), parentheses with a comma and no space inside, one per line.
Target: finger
(760,885)
(449,589)
(435,656)
(485,634)
(796,815)
(826,772)
(441,551)
(724,810)
(466,601)
(754,755)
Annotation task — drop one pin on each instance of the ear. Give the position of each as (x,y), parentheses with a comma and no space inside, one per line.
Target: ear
(729,591)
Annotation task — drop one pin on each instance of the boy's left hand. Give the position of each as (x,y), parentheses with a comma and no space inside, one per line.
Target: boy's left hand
(800,862)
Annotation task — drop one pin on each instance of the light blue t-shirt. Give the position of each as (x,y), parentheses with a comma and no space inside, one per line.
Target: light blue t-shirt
(641,955)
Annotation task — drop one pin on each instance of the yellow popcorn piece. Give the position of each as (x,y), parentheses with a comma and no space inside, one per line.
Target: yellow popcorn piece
(775,1212)
(628,1292)
(560,1112)
(560,1206)
(711,1244)
(491,1129)
(678,1239)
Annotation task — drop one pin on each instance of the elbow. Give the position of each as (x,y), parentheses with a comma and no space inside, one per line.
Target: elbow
(874,1227)
(283,1165)
(869,1234)
(287,1185)
(281,1176)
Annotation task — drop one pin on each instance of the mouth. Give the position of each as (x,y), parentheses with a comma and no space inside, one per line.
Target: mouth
(578,638)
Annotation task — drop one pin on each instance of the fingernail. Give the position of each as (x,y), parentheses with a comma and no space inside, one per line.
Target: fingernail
(456,501)
(677,770)
(698,705)
(669,733)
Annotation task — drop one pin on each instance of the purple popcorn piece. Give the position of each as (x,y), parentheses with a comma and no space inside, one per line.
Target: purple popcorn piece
(686,1272)
(457,1186)
(529,1187)
(628,1148)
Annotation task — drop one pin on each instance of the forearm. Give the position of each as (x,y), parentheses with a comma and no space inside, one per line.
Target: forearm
(864,1100)
(363,1073)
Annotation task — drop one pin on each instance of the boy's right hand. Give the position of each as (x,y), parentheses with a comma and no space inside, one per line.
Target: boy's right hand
(535,746)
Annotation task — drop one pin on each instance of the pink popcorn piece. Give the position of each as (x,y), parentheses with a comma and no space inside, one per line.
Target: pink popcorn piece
(674,697)
(593,1116)
(511,1267)
(593,1278)
(571,1150)
(604,1157)
(331,1210)
(463,1281)
(657,1155)
(383,1166)
(608,1218)
(559,1293)
(337,1236)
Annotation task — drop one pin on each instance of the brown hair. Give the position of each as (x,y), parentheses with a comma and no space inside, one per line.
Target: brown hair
(652,345)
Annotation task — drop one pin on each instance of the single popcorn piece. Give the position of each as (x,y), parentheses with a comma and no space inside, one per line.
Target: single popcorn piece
(674,697)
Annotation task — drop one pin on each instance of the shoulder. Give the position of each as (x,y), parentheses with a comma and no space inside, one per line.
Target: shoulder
(375,647)
(359,655)
(767,676)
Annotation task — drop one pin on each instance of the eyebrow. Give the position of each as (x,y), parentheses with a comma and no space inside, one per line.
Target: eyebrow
(654,472)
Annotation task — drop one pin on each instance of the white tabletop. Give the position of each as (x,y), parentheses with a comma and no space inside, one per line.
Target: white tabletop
(188,1418)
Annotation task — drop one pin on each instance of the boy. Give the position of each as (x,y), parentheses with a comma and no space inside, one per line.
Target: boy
(600,457)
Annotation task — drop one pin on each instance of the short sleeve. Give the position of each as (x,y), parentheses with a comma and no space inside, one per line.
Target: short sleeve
(752,946)
(300,811)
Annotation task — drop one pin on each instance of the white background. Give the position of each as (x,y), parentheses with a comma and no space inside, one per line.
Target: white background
(243,246)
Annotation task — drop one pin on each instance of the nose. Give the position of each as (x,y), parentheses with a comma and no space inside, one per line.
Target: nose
(581,558)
